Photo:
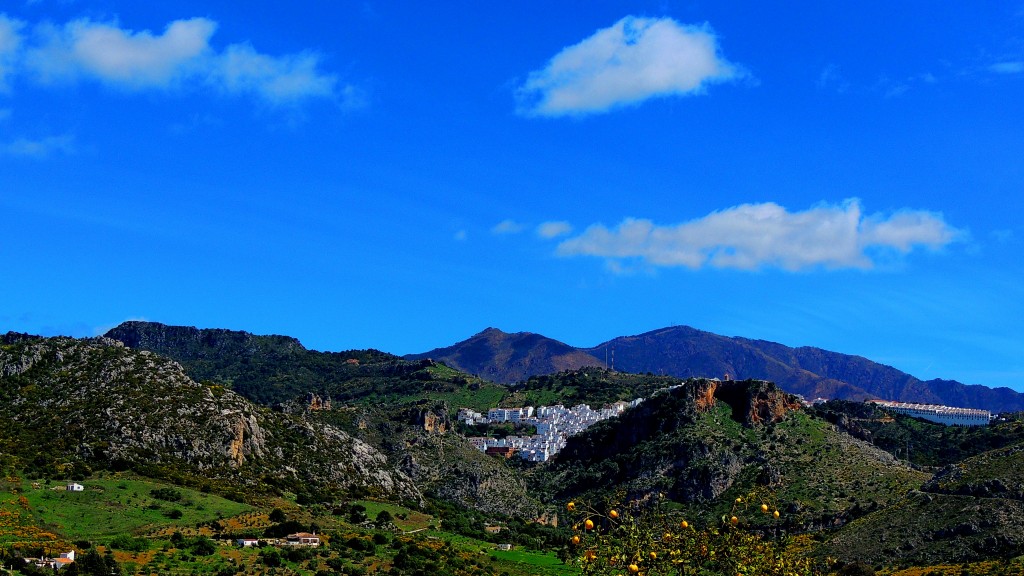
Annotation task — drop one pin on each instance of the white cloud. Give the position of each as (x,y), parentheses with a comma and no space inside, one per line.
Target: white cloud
(633,60)
(1008,67)
(40,148)
(508,227)
(277,79)
(182,55)
(553,229)
(122,57)
(753,236)
(10,44)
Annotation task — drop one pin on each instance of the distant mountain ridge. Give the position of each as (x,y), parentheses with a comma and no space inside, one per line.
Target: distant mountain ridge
(686,352)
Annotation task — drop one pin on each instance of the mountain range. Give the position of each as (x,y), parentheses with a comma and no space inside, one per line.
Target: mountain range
(261,417)
(686,352)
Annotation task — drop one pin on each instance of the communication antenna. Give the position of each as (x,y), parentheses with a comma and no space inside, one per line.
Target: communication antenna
(613,359)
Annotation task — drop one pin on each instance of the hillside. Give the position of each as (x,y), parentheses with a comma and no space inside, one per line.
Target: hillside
(81,405)
(706,442)
(276,369)
(510,358)
(685,352)
(929,444)
(402,408)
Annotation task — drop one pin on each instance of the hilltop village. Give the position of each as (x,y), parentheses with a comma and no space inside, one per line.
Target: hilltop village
(555,424)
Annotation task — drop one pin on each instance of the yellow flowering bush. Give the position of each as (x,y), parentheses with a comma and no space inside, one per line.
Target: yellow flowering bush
(643,538)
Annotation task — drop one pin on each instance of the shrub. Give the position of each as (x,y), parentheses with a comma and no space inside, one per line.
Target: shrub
(203,546)
(168,494)
(646,539)
(129,544)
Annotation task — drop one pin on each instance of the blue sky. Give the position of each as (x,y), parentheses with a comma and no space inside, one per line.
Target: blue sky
(401,175)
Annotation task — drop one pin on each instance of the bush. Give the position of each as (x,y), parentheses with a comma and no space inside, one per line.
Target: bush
(129,544)
(270,557)
(650,540)
(168,494)
(203,546)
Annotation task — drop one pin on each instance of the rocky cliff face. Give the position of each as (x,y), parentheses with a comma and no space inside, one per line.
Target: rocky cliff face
(420,442)
(706,442)
(97,401)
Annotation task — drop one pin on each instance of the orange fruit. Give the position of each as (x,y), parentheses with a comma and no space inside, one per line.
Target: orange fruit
(589,524)
(734,520)
(776,513)
(570,506)
(684,524)
(575,540)
(764,508)
(739,500)
(634,568)
(653,555)
(614,514)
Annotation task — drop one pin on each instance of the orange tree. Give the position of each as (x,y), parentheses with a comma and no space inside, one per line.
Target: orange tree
(644,538)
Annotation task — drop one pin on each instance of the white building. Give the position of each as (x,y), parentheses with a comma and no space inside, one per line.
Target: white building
(947,415)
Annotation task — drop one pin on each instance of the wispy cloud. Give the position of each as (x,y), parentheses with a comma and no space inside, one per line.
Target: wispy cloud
(10,44)
(633,60)
(40,148)
(553,229)
(181,56)
(508,227)
(1007,67)
(277,79)
(754,236)
(831,78)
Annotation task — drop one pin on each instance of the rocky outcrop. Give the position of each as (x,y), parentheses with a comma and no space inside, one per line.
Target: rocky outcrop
(114,406)
(431,417)
(755,401)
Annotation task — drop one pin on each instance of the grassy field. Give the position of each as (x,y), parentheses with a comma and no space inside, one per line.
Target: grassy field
(535,562)
(403,518)
(115,505)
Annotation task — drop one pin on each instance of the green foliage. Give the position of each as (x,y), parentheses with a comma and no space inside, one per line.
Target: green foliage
(646,538)
(275,369)
(114,505)
(168,494)
(928,443)
(129,544)
(202,546)
(277,516)
(593,386)
(95,564)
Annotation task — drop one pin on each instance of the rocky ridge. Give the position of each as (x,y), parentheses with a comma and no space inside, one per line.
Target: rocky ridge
(98,402)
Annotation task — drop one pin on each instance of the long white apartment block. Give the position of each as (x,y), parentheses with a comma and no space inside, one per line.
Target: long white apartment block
(947,415)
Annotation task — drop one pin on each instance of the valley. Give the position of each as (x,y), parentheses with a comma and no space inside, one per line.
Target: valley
(185,442)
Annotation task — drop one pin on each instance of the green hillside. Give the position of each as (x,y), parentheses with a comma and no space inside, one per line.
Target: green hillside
(703,452)
(68,407)
(276,369)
